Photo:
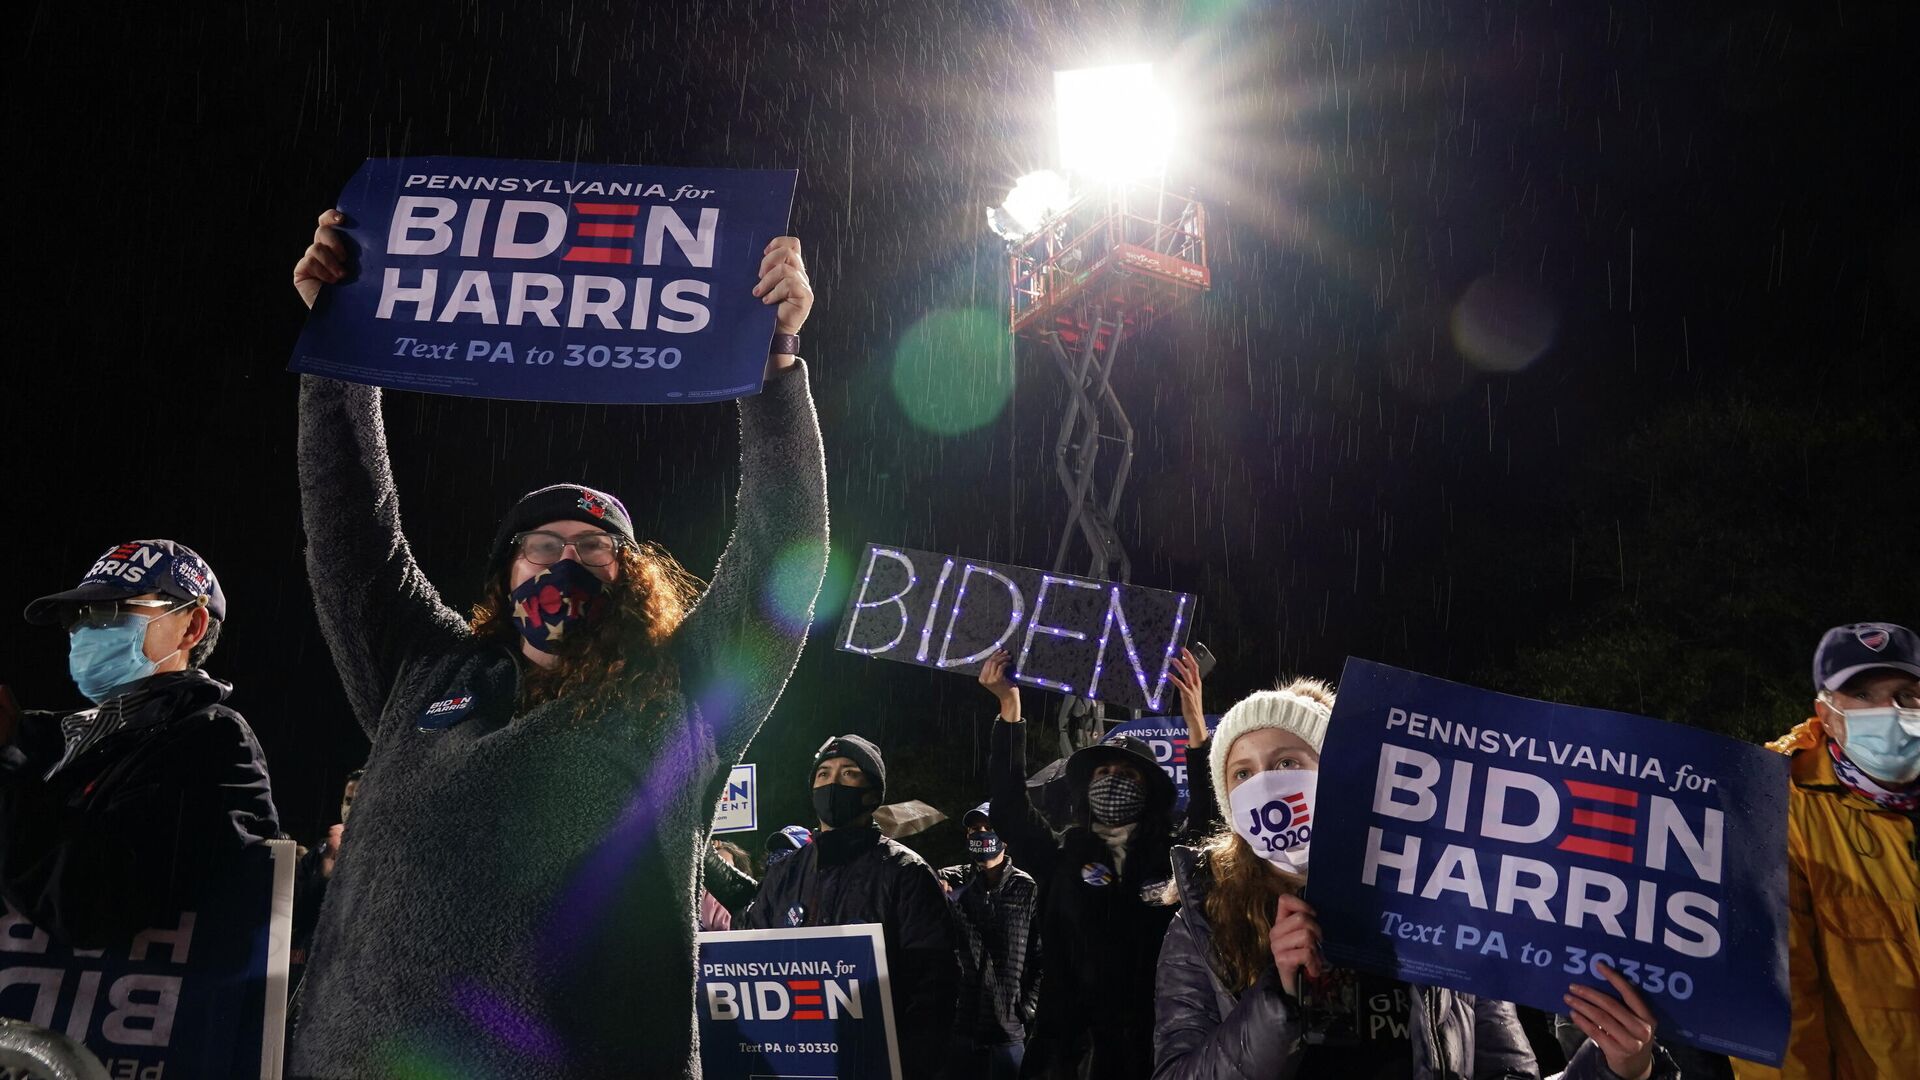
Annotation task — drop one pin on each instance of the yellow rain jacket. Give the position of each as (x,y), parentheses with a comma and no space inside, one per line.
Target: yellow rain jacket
(1853,892)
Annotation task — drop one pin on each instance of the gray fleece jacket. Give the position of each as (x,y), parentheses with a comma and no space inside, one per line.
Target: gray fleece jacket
(517,896)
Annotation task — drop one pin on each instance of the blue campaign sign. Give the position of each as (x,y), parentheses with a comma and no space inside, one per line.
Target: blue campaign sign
(739,801)
(810,1001)
(551,281)
(1505,846)
(203,995)
(1167,735)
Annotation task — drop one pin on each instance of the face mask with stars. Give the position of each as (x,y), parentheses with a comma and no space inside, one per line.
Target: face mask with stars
(556,604)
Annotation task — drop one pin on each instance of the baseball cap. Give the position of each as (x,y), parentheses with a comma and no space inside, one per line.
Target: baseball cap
(136,567)
(1846,651)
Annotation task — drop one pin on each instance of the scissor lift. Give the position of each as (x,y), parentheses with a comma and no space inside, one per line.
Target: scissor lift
(1101,271)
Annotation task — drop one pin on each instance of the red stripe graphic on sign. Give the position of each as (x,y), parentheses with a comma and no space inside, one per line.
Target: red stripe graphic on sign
(1610,819)
(1580,789)
(597,255)
(803,984)
(1610,822)
(599,228)
(810,1014)
(616,209)
(1581,845)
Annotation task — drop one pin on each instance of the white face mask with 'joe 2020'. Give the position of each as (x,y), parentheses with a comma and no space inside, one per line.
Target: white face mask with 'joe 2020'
(1273,812)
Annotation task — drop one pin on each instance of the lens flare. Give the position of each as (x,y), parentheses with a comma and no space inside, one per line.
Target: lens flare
(793,585)
(952,371)
(1503,325)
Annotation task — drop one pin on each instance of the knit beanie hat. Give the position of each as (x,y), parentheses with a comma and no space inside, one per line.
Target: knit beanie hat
(1288,710)
(560,502)
(864,754)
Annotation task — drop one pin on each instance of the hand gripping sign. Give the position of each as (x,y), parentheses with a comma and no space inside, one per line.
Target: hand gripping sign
(551,281)
(1507,847)
(809,1001)
(1096,639)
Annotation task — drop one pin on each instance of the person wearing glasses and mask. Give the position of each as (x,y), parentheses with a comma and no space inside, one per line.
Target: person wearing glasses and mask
(1853,861)
(520,897)
(114,818)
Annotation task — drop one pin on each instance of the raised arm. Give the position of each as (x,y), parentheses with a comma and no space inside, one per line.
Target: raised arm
(1014,816)
(375,605)
(744,636)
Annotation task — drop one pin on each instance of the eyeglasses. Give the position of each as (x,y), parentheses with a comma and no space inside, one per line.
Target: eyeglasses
(1900,697)
(100,614)
(542,548)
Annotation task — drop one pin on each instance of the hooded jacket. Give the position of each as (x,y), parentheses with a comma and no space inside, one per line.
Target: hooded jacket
(518,896)
(140,822)
(856,875)
(1853,950)
(1101,925)
(1203,1031)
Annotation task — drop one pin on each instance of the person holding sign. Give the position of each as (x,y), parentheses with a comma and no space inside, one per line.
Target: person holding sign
(1853,868)
(1242,990)
(850,874)
(1104,886)
(519,898)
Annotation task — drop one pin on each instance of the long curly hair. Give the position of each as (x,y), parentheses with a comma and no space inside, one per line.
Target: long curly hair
(622,657)
(1244,887)
(1242,890)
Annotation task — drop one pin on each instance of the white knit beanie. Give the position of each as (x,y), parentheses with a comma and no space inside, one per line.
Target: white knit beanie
(1287,710)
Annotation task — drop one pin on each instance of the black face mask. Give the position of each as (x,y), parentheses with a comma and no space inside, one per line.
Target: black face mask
(839,805)
(985,846)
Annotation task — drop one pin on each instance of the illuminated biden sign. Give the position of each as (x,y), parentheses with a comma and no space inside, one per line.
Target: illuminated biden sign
(1098,639)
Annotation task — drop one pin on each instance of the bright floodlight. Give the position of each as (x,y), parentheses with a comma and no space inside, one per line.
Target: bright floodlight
(1035,197)
(1116,123)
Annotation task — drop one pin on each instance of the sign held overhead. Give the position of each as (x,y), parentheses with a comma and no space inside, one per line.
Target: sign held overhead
(1104,640)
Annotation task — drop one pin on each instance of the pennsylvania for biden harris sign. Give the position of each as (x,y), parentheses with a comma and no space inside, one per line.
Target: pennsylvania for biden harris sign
(1507,847)
(551,281)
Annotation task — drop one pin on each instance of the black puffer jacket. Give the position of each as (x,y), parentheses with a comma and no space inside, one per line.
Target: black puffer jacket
(1202,1031)
(140,823)
(1101,929)
(849,876)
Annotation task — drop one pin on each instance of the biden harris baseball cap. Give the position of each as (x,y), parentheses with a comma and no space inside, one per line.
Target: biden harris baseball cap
(134,568)
(1846,651)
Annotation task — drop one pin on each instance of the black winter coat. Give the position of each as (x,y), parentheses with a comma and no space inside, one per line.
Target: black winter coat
(1204,1031)
(1101,930)
(849,876)
(142,823)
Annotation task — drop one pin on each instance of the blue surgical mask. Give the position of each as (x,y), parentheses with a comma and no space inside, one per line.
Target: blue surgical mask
(1884,742)
(102,659)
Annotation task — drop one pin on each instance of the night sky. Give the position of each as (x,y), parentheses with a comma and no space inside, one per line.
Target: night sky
(1692,213)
